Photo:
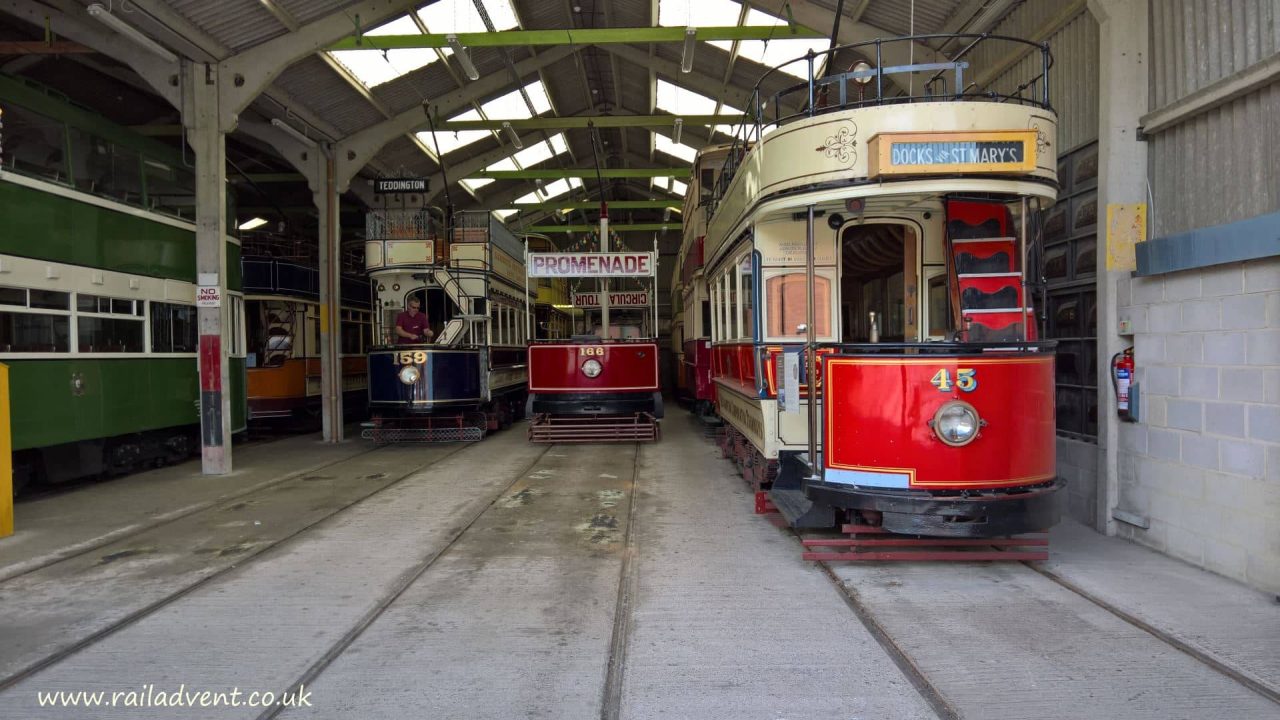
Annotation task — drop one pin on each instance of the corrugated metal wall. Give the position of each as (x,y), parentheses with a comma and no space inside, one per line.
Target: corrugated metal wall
(1073,80)
(1215,167)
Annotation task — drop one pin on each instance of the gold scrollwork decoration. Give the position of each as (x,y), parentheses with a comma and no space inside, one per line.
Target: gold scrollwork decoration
(842,146)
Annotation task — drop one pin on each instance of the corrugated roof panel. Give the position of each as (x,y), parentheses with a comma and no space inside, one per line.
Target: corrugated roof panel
(313,82)
(305,11)
(238,24)
(897,17)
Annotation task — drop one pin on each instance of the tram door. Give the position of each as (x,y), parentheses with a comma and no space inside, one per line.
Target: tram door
(879,274)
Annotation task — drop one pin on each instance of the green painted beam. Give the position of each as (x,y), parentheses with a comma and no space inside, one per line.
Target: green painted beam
(582,121)
(638,227)
(584,36)
(580,173)
(613,205)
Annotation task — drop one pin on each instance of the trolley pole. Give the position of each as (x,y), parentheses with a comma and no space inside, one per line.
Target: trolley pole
(604,282)
(810,350)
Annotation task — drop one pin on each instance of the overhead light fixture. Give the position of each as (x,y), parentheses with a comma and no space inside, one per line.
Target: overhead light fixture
(511,134)
(99,12)
(293,132)
(464,58)
(253,224)
(666,215)
(675,136)
(690,40)
(862,69)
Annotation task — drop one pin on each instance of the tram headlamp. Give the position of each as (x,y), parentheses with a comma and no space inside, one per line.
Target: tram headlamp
(592,368)
(956,423)
(409,374)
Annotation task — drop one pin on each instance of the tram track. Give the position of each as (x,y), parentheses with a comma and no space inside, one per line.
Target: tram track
(1195,653)
(389,598)
(151,608)
(168,518)
(937,699)
(628,579)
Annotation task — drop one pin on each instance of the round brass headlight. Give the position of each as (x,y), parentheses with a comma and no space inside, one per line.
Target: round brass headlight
(409,374)
(592,368)
(956,423)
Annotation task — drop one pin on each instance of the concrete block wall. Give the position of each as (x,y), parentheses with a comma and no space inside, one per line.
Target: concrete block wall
(1078,465)
(1203,465)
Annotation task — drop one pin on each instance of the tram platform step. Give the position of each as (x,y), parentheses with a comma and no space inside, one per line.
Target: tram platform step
(640,427)
(799,511)
(869,543)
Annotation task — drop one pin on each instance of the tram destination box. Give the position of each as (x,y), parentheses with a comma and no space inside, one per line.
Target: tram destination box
(949,153)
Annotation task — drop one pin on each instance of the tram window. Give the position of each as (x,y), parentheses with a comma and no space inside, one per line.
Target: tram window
(13,296)
(29,332)
(786,304)
(747,296)
(50,300)
(173,328)
(107,169)
(109,334)
(731,305)
(352,331)
(170,189)
(34,144)
(939,306)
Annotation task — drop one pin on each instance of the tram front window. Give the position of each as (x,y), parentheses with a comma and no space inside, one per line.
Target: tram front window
(878,274)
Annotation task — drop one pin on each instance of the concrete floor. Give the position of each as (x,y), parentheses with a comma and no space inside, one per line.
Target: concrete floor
(503,579)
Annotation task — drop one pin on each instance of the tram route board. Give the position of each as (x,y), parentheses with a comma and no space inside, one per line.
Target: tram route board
(928,153)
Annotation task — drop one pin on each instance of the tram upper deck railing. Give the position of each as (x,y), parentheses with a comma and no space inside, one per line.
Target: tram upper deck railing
(819,94)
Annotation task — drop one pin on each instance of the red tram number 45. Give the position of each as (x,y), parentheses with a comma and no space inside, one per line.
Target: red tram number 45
(966,380)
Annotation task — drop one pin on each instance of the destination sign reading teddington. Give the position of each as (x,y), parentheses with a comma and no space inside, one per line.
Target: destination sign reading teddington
(958,152)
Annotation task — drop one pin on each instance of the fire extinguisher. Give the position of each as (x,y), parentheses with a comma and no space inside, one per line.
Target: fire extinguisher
(1122,380)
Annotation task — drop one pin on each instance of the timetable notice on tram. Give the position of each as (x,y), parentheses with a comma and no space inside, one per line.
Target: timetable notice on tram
(937,153)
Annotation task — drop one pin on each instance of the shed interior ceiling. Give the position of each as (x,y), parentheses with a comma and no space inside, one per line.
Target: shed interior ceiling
(333,94)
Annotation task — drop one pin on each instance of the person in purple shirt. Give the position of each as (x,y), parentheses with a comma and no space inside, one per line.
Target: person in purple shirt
(411,325)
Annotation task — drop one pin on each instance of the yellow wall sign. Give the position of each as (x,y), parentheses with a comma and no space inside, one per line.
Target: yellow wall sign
(1126,227)
(947,153)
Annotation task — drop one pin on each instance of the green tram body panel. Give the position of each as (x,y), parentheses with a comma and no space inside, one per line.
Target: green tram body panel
(120,397)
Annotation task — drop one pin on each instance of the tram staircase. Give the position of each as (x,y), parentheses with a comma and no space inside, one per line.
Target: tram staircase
(463,325)
(984,259)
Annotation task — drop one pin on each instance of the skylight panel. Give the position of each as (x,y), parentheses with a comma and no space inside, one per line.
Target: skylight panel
(474,184)
(373,68)
(538,153)
(505,213)
(512,106)
(529,198)
(680,150)
(679,188)
(458,16)
(560,187)
(505,163)
(678,101)
(450,140)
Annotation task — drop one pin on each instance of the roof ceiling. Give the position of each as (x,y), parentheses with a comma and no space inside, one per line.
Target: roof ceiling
(324,98)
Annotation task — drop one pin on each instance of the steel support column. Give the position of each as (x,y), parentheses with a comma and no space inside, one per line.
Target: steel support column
(209,143)
(1122,177)
(326,199)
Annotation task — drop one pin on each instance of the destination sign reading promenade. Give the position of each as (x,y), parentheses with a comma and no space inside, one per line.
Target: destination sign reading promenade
(591,264)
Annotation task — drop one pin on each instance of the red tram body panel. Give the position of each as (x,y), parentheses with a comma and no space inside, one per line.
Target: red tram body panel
(626,367)
(877,429)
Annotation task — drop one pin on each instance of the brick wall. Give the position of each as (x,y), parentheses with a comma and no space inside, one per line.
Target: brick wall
(1203,465)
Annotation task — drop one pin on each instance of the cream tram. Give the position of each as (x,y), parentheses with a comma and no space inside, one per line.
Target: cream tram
(467,375)
(872,248)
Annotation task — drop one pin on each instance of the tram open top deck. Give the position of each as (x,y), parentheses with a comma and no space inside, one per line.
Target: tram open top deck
(848,135)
